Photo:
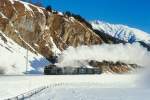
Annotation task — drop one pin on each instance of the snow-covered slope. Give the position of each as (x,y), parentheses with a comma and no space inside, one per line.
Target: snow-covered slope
(122,32)
(13,58)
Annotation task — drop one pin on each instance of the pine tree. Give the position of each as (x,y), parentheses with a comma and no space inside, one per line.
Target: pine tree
(29,1)
(49,8)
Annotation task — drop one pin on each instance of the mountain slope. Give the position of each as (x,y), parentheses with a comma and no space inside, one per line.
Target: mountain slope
(13,58)
(44,33)
(122,32)
(47,32)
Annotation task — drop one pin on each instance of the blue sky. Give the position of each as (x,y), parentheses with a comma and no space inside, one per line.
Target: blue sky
(135,13)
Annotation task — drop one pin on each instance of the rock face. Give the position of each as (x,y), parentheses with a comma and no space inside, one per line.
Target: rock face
(111,67)
(42,31)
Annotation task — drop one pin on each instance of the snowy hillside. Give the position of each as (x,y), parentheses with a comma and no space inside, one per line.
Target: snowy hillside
(13,58)
(122,32)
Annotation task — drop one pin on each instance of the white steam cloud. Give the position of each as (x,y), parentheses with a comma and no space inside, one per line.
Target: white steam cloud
(127,53)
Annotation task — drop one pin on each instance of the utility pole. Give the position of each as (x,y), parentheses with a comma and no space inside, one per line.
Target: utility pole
(27,61)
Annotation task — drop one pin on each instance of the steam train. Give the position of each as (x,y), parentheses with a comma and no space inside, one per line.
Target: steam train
(55,70)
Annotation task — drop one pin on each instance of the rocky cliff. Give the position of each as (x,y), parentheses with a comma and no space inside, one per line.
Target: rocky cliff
(43,31)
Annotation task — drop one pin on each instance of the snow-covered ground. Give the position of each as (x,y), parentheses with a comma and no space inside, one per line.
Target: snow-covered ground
(76,87)
(13,58)
(90,92)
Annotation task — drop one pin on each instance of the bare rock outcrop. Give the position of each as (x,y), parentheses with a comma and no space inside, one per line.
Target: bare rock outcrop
(43,31)
(111,67)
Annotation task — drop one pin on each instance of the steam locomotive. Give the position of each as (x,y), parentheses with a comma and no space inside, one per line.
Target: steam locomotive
(55,70)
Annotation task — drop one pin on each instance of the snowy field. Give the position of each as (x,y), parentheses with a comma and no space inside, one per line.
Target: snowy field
(76,87)
(90,92)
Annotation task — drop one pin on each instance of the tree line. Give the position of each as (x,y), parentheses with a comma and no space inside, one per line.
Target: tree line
(67,13)
(78,17)
(37,3)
